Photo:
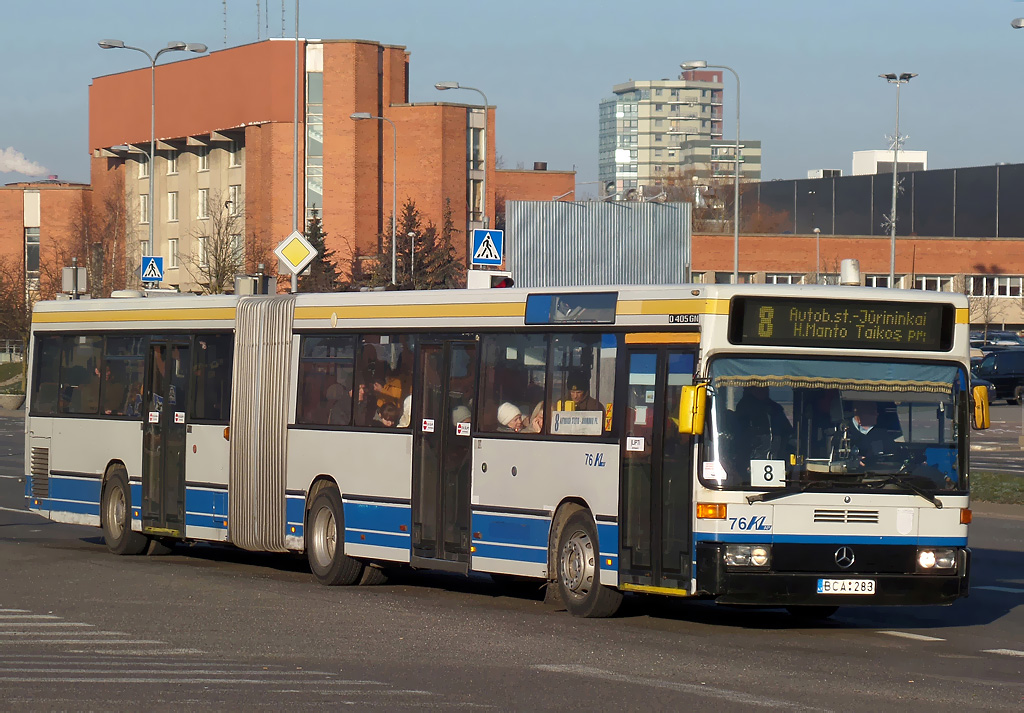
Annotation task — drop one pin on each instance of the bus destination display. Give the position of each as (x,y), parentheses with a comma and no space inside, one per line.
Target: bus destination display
(841,324)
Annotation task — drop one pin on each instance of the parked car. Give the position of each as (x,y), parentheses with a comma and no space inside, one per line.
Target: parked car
(996,338)
(1005,370)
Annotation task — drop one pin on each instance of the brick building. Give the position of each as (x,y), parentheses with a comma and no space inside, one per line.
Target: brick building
(224,128)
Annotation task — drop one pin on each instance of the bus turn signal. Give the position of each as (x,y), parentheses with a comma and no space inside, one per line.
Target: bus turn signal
(710,511)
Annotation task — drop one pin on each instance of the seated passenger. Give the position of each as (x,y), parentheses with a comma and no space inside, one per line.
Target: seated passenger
(511,418)
(388,415)
(875,444)
(578,388)
(537,418)
(762,425)
(339,404)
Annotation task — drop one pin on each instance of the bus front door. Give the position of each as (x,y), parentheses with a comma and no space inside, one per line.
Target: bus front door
(442,455)
(163,437)
(654,510)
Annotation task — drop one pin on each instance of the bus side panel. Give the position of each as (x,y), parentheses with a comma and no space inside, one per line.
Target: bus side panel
(80,450)
(545,473)
(206,489)
(374,473)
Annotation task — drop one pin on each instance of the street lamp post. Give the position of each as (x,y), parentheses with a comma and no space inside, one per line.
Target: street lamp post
(361,115)
(817,261)
(171,47)
(442,86)
(701,64)
(412,257)
(899,80)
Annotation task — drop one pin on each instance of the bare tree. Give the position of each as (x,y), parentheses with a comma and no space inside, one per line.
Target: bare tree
(984,307)
(219,246)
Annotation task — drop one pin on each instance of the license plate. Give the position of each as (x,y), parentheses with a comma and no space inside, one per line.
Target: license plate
(846,586)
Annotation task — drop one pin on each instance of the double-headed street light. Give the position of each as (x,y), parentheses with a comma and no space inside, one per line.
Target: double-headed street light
(701,64)
(1018,23)
(359,116)
(442,86)
(197,47)
(899,80)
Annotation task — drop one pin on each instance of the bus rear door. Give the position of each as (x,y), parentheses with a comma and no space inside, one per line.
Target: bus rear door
(654,503)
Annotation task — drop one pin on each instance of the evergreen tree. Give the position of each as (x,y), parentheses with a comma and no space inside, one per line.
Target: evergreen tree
(441,267)
(322,273)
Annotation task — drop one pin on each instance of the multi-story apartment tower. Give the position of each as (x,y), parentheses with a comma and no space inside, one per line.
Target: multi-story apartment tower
(667,131)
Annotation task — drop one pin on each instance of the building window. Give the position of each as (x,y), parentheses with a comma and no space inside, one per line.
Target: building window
(144,208)
(234,199)
(204,254)
(172,206)
(203,203)
(876,280)
(234,154)
(144,166)
(31,250)
(172,252)
(172,162)
(778,278)
(143,248)
(659,138)
(933,283)
(203,158)
(237,246)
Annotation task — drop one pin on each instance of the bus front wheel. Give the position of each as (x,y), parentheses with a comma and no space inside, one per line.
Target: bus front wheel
(116,516)
(579,579)
(325,541)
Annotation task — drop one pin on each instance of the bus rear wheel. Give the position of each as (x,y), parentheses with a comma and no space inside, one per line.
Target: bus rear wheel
(579,580)
(325,541)
(115,516)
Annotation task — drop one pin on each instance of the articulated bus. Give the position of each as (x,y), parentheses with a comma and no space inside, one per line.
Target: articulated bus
(783,446)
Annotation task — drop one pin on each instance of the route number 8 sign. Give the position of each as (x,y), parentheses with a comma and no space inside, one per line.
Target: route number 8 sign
(768,473)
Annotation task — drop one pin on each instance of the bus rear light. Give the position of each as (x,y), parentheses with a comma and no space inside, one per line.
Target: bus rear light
(227,432)
(965,516)
(710,511)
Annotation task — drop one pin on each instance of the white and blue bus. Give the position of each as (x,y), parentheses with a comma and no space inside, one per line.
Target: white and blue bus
(800,447)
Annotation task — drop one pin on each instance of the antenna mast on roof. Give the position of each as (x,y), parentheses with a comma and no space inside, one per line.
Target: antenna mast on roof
(258,27)
(225,23)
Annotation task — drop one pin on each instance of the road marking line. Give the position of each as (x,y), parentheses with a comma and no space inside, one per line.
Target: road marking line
(43,623)
(16,611)
(692,688)
(173,680)
(88,641)
(908,635)
(28,616)
(61,633)
(12,477)
(1004,652)
(15,510)
(1011,590)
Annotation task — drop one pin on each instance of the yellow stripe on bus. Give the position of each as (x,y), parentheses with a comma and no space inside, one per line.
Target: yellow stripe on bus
(663,338)
(644,307)
(140,315)
(498,309)
(963,316)
(647,589)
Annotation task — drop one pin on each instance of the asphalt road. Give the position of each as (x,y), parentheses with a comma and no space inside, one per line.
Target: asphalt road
(216,628)
(998,448)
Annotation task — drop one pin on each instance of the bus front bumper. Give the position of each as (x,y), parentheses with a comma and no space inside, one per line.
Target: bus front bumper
(770,588)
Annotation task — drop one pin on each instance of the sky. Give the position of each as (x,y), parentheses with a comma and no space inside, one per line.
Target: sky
(810,90)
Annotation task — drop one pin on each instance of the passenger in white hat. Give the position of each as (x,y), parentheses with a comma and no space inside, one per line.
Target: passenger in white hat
(511,418)
(460,414)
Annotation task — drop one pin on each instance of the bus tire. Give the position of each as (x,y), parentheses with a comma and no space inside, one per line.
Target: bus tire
(325,541)
(579,570)
(115,515)
(812,612)
(373,576)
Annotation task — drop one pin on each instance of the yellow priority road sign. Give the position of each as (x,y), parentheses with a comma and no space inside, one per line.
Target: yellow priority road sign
(295,252)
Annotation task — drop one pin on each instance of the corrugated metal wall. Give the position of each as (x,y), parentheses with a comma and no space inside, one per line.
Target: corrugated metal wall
(558,243)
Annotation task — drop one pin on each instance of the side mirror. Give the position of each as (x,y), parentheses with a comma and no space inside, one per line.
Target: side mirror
(981,417)
(691,409)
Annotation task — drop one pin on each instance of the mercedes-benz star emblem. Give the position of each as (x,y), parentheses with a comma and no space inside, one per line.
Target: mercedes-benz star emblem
(844,557)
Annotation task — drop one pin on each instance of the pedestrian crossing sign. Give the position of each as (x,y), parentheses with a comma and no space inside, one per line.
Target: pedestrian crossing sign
(488,247)
(152,269)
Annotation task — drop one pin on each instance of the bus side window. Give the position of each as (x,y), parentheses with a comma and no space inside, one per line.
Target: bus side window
(47,376)
(80,374)
(211,398)
(325,380)
(513,371)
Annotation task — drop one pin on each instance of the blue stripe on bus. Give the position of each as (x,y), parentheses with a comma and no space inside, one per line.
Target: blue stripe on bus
(608,544)
(398,540)
(212,502)
(511,552)
(295,515)
(216,522)
(365,516)
(508,529)
(752,537)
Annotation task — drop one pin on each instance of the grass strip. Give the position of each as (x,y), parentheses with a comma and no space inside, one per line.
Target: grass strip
(997,488)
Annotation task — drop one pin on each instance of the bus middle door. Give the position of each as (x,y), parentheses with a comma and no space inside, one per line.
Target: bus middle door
(442,455)
(163,437)
(656,486)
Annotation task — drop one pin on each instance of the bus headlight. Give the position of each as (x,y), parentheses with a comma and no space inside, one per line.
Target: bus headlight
(747,555)
(929,558)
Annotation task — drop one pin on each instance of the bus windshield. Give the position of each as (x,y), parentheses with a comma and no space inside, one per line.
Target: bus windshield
(836,425)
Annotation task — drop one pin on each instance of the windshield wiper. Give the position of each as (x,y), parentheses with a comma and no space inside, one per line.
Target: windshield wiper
(915,489)
(786,492)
